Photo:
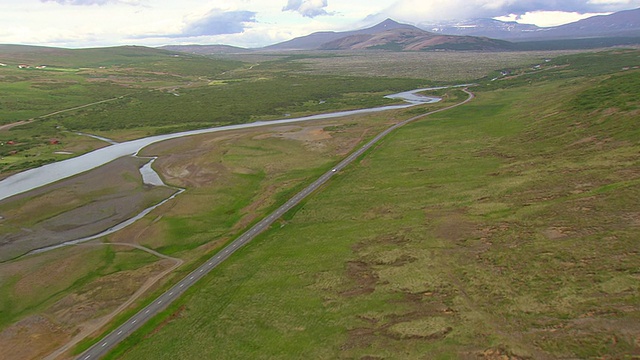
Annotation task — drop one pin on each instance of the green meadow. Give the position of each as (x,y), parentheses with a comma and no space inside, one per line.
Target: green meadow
(506,228)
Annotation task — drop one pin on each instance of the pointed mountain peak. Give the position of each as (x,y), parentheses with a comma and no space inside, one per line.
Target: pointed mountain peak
(389,24)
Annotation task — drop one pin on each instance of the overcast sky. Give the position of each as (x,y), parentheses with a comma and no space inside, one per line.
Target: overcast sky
(254,23)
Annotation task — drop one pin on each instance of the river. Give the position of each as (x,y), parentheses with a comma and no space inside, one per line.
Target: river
(50,173)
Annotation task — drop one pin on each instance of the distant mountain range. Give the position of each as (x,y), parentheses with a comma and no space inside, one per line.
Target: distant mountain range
(388,35)
(620,24)
(621,28)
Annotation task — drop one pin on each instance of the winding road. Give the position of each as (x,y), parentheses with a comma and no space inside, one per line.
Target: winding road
(160,303)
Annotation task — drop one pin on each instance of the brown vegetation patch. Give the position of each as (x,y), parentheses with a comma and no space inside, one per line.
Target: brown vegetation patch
(590,139)
(382,212)
(389,239)
(453,227)
(35,275)
(306,133)
(31,338)
(632,218)
(556,232)
(499,354)
(397,261)
(414,325)
(360,338)
(427,328)
(364,277)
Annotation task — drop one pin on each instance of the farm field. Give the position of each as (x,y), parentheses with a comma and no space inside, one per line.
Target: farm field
(502,228)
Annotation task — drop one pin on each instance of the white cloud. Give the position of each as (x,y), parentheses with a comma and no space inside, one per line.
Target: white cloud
(218,22)
(435,10)
(250,23)
(92,2)
(547,18)
(308,8)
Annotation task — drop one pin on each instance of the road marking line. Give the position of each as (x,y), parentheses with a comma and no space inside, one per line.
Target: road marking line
(181,285)
(134,321)
(191,278)
(104,344)
(171,293)
(146,312)
(119,332)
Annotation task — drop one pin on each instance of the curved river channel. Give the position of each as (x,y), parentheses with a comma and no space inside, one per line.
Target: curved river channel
(50,173)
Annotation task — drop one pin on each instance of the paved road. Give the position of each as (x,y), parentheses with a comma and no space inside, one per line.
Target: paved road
(111,340)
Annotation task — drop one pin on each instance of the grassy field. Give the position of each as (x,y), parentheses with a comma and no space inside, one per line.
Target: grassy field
(138,92)
(505,228)
(217,170)
(502,228)
(154,87)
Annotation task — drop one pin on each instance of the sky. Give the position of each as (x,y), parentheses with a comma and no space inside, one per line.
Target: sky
(255,23)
